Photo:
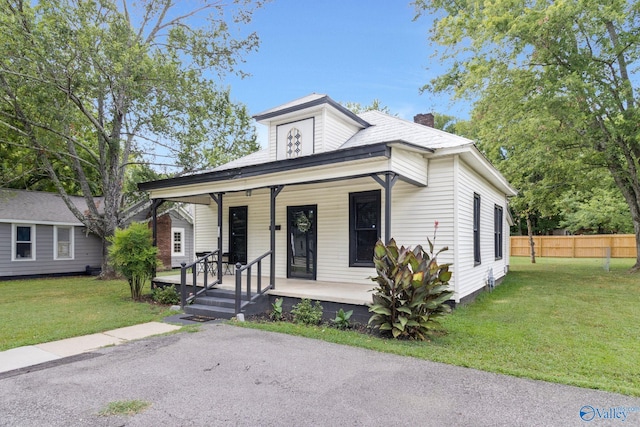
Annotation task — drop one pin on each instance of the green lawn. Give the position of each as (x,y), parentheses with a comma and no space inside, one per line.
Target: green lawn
(561,320)
(42,310)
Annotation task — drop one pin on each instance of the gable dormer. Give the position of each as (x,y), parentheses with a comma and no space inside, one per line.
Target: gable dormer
(310,125)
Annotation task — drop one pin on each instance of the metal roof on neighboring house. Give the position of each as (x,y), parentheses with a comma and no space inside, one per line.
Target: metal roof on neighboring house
(39,207)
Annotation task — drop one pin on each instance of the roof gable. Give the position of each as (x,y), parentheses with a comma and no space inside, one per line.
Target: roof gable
(298,106)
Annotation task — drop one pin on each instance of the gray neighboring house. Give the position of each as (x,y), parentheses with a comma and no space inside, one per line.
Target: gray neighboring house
(40,236)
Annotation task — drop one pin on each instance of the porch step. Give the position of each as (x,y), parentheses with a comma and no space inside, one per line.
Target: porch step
(216,303)
(221,293)
(210,311)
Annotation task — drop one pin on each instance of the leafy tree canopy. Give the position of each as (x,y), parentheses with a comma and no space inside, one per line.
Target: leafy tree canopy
(89,87)
(357,108)
(563,69)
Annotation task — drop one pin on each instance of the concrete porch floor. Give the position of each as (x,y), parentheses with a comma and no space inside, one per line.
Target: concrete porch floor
(346,293)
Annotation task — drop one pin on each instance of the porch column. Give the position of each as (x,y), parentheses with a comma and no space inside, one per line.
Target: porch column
(390,179)
(272,228)
(218,199)
(155,204)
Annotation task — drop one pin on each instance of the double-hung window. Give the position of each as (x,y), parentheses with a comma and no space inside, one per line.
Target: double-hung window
(476,229)
(23,242)
(497,232)
(62,242)
(364,227)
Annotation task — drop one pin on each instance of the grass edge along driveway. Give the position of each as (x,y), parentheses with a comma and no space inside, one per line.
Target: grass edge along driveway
(560,320)
(35,311)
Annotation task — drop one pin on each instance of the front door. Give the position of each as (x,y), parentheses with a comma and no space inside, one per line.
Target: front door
(301,232)
(238,234)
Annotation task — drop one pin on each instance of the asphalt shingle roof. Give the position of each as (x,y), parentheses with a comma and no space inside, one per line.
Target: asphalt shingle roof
(38,207)
(386,128)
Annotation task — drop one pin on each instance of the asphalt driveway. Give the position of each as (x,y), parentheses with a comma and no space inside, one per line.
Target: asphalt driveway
(224,375)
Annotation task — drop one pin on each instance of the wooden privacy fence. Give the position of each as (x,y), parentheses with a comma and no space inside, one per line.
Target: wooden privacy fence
(584,246)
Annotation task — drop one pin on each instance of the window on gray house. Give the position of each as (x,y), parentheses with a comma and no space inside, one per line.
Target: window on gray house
(177,241)
(63,242)
(24,243)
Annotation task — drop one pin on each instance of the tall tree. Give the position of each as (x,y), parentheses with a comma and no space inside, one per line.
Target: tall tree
(575,57)
(95,85)
(522,148)
(358,108)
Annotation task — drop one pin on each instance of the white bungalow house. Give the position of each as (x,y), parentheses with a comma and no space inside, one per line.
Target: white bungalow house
(331,183)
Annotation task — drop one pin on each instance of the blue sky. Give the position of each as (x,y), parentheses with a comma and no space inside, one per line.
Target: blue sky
(351,50)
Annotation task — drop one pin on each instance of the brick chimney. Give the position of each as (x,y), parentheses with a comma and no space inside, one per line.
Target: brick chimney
(424,119)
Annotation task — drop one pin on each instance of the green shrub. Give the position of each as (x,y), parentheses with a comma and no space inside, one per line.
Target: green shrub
(167,295)
(342,319)
(276,310)
(411,293)
(306,313)
(133,255)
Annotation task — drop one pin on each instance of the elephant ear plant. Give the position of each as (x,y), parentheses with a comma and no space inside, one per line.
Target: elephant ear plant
(411,292)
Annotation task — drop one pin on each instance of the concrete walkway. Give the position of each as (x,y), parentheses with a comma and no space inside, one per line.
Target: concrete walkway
(31,355)
(224,375)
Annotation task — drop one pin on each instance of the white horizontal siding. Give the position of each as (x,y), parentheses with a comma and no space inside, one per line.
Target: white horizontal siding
(409,164)
(416,209)
(473,277)
(448,199)
(273,146)
(332,202)
(205,227)
(414,213)
(335,132)
(318,133)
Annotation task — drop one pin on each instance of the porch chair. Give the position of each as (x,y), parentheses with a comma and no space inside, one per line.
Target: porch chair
(226,264)
(211,265)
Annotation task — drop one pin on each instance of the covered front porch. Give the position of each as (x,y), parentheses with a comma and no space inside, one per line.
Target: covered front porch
(309,227)
(345,293)
(301,247)
(332,295)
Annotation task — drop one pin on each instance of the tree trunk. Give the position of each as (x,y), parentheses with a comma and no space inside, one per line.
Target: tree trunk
(636,266)
(629,185)
(107,273)
(531,242)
